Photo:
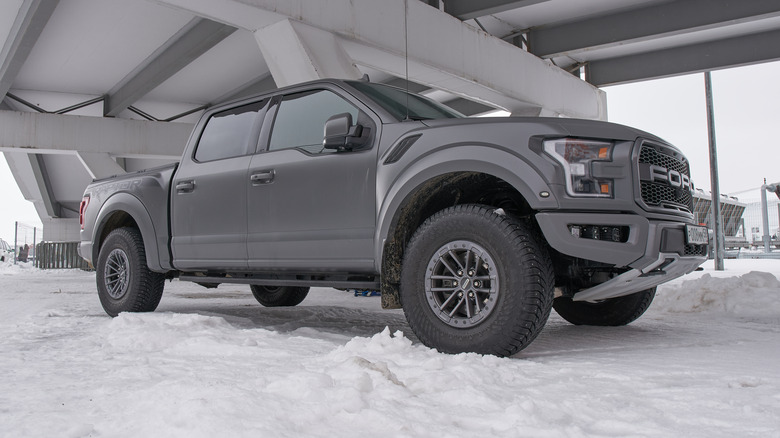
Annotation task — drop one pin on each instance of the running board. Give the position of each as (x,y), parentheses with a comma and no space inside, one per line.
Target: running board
(251,279)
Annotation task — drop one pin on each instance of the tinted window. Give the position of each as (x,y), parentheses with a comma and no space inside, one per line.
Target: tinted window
(300,121)
(229,133)
(399,103)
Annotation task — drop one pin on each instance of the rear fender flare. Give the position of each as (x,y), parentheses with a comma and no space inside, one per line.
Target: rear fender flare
(132,206)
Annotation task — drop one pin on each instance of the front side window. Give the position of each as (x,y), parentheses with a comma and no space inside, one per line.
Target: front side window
(229,133)
(300,121)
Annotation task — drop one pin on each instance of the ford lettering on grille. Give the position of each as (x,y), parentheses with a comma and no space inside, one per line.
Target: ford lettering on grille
(671,177)
(664,177)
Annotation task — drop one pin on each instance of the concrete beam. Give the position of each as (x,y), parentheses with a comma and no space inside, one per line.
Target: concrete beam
(63,133)
(732,52)
(460,59)
(296,52)
(645,24)
(99,164)
(193,40)
(30,21)
(467,9)
(256,86)
(38,167)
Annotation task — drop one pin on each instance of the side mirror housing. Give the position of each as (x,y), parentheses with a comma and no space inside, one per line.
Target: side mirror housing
(339,132)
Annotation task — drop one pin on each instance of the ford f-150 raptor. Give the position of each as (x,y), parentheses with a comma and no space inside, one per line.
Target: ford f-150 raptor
(476,227)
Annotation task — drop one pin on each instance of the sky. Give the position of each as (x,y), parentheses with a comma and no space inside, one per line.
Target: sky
(746,114)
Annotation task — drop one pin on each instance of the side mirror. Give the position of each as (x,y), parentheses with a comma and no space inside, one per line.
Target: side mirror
(339,132)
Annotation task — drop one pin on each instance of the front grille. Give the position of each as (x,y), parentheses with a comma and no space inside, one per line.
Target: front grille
(661,194)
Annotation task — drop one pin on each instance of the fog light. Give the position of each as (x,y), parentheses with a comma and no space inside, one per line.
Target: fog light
(605,233)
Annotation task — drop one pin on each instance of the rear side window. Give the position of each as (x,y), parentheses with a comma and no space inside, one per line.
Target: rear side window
(300,121)
(230,133)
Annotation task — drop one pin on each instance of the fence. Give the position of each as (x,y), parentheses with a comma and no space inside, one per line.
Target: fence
(59,255)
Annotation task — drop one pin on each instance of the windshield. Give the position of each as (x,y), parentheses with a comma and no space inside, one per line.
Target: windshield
(395,101)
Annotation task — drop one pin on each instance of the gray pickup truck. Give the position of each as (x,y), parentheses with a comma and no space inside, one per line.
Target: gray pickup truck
(476,227)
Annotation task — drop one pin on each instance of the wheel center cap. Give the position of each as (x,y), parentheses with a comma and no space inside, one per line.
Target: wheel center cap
(465,283)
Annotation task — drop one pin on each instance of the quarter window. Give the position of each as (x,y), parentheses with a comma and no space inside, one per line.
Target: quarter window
(229,133)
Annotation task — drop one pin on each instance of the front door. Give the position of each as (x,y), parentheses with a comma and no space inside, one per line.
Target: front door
(312,208)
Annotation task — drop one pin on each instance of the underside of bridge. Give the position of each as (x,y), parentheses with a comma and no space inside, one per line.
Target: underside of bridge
(93,88)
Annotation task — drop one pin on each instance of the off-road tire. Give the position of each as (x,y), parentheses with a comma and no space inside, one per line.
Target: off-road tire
(124,281)
(611,312)
(279,296)
(520,285)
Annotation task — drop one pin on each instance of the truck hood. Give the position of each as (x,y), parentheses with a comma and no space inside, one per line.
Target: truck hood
(563,126)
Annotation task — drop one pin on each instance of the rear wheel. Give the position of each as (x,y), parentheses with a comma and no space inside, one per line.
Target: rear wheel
(476,281)
(279,296)
(611,312)
(124,281)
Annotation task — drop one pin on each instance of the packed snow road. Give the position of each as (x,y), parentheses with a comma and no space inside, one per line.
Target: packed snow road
(704,361)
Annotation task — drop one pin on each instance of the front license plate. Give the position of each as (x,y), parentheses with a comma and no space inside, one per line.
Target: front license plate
(696,235)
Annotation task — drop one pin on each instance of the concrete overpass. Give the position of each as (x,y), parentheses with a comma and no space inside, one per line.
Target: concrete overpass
(91,88)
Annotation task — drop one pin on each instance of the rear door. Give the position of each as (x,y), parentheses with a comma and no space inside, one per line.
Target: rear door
(311,208)
(208,217)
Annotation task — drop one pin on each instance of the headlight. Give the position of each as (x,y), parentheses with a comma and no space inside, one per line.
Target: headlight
(577,156)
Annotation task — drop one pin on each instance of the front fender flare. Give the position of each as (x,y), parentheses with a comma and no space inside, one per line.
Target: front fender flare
(482,158)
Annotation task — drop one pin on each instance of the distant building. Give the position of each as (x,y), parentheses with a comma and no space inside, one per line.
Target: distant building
(731,210)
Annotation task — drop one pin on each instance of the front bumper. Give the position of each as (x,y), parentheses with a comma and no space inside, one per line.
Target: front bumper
(655,251)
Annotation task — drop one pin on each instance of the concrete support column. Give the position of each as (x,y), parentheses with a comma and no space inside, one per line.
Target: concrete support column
(296,52)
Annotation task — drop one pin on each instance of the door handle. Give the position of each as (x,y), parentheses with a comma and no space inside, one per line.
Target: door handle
(185,186)
(264,177)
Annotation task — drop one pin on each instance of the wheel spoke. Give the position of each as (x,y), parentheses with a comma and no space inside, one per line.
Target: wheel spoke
(447,265)
(477,307)
(455,309)
(447,301)
(443,277)
(455,257)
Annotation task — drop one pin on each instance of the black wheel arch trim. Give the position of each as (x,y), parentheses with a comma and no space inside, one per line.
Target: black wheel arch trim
(133,207)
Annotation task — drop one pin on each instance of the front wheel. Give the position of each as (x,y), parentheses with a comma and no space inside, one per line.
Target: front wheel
(279,296)
(124,281)
(474,280)
(611,312)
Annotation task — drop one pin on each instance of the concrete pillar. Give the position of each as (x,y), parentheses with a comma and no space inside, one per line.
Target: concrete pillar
(296,52)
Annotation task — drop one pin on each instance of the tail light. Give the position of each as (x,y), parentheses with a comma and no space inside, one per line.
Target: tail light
(83,209)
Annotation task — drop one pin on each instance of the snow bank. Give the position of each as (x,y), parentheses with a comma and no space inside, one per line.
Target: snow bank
(755,294)
(224,366)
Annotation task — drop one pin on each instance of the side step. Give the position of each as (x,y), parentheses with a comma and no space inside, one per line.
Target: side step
(336,282)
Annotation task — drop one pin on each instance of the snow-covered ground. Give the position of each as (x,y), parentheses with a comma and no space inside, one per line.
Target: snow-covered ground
(704,361)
